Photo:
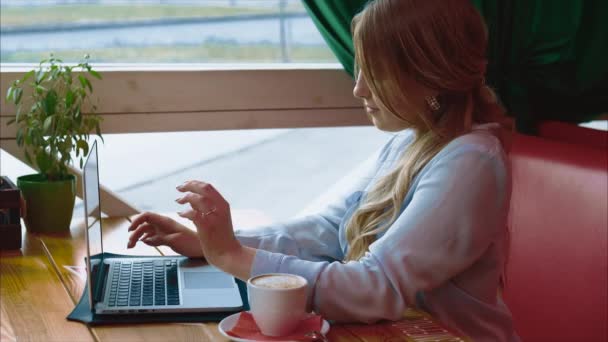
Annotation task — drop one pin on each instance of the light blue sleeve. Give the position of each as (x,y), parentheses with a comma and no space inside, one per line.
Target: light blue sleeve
(458,206)
(313,237)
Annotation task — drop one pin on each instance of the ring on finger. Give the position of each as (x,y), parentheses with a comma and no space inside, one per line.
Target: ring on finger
(208,212)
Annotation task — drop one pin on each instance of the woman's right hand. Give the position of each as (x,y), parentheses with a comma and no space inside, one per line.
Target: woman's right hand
(157,230)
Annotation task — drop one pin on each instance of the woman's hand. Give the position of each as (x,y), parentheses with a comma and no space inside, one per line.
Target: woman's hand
(211,214)
(156,230)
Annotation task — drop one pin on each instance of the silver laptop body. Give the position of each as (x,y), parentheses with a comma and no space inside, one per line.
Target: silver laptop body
(147,284)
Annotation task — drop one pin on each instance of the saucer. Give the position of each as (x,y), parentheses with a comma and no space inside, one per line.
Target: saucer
(228,323)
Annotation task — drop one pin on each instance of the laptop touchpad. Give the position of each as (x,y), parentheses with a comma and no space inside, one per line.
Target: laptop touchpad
(207,280)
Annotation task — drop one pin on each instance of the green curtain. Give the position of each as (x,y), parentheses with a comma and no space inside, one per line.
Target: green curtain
(548,59)
(332,18)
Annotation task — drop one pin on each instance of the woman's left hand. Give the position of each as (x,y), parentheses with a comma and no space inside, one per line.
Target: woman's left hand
(210,212)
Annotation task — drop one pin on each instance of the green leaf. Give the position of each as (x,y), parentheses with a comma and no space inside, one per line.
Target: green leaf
(67,76)
(31,135)
(28,158)
(69,98)
(40,75)
(9,94)
(95,74)
(18,115)
(98,131)
(33,113)
(70,126)
(17,95)
(27,76)
(43,161)
(48,125)
(64,147)
(84,146)
(89,85)
(50,102)
(85,82)
(55,70)
(28,136)
(20,137)
(78,117)
(40,89)
(82,84)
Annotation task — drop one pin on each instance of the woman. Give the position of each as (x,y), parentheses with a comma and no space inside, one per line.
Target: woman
(426,227)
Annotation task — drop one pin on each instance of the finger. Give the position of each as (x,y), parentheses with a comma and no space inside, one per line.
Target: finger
(138,232)
(147,235)
(207,191)
(189,214)
(188,196)
(197,202)
(152,218)
(137,220)
(198,187)
(136,236)
(192,198)
(158,240)
(153,241)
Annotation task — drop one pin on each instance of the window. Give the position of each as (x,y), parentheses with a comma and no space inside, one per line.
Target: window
(601,125)
(279,173)
(218,66)
(160,31)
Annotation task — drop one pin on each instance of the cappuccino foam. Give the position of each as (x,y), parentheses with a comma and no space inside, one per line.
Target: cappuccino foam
(278,282)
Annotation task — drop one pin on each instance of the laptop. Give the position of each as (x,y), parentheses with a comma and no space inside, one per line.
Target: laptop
(147,284)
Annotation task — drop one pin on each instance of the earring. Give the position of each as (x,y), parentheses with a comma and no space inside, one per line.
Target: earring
(433,103)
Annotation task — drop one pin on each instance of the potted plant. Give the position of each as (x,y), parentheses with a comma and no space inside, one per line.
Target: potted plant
(51,126)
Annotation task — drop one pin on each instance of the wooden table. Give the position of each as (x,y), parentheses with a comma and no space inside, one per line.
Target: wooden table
(41,284)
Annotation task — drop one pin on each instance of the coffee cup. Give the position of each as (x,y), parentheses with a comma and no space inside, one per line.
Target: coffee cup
(277,301)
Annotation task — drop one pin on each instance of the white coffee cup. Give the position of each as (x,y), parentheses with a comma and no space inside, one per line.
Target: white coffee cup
(277,301)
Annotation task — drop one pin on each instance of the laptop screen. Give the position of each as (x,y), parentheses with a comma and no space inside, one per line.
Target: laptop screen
(90,181)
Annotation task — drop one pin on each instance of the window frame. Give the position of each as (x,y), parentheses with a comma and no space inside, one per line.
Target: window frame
(171,98)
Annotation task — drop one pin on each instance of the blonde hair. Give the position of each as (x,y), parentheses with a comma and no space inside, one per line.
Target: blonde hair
(440,45)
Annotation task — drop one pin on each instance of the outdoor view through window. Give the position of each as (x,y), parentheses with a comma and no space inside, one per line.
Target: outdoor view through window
(278,173)
(152,31)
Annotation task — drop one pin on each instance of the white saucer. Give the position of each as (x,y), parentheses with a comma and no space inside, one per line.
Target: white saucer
(228,323)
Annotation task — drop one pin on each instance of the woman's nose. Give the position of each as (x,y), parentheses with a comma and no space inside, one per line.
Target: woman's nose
(361,90)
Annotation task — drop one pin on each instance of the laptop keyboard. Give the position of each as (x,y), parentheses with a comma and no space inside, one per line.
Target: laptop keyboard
(144,283)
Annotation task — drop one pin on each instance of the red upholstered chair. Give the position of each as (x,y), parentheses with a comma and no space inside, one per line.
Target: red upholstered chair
(571,133)
(556,276)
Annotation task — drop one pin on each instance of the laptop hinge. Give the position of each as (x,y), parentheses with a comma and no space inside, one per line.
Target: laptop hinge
(101,282)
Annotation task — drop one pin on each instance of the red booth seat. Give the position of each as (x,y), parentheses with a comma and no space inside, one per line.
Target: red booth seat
(556,274)
(571,133)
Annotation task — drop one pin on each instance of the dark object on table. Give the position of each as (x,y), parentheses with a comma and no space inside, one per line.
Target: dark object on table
(10,220)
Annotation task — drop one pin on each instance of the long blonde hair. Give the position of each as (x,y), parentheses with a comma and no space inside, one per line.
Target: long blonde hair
(440,45)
